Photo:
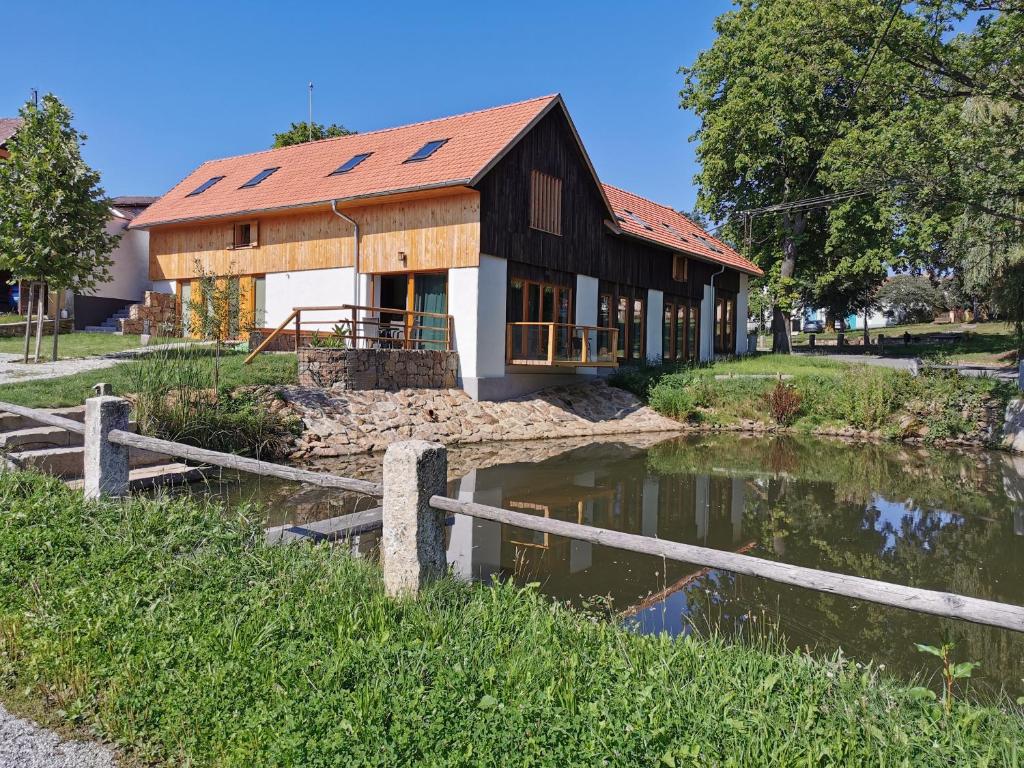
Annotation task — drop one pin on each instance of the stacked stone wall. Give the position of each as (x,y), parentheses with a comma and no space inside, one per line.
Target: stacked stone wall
(385,369)
(159,310)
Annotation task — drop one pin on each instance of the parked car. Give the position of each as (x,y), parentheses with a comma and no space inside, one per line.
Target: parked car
(814,326)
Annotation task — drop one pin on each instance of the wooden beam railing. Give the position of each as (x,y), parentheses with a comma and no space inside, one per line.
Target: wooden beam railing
(560,344)
(369,327)
(416,507)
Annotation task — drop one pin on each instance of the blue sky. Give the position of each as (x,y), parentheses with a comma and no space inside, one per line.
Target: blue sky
(159,88)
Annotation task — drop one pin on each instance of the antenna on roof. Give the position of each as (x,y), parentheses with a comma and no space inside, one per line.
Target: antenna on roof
(310,110)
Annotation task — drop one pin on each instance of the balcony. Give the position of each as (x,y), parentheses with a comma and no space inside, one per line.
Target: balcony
(561,345)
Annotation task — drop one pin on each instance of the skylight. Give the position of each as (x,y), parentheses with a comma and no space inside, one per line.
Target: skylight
(259,177)
(637,220)
(674,231)
(204,186)
(351,163)
(709,244)
(427,150)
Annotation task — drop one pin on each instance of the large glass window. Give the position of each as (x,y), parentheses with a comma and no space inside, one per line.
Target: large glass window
(725,325)
(531,306)
(693,333)
(622,323)
(636,351)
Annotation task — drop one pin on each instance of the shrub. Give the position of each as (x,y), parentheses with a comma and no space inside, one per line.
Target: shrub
(783,403)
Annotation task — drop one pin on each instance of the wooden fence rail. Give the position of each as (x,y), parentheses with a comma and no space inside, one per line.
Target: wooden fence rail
(415,510)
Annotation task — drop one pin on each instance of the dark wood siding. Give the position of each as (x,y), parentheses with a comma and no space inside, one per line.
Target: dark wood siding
(586,246)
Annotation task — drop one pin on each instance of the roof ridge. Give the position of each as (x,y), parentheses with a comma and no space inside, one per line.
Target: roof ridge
(382,130)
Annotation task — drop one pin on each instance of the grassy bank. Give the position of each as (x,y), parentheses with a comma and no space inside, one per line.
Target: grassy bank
(178,634)
(72,390)
(75,345)
(824,395)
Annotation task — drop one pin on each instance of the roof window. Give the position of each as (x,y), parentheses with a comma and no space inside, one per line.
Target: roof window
(637,220)
(259,177)
(349,164)
(427,150)
(204,186)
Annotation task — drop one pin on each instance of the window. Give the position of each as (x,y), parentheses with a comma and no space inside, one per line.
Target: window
(349,164)
(680,268)
(679,330)
(622,323)
(674,231)
(259,177)
(725,325)
(244,235)
(628,307)
(427,150)
(709,244)
(533,304)
(204,186)
(637,220)
(636,347)
(546,203)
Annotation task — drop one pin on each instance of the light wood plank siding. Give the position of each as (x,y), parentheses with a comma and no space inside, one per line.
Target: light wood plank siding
(433,233)
(546,202)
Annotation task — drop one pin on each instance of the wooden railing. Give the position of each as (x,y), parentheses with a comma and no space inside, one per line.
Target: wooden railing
(365,327)
(560,344)
(416,508)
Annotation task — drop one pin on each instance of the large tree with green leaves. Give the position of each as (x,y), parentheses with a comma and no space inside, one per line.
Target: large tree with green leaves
(783,84)
(53,212)
(300,133)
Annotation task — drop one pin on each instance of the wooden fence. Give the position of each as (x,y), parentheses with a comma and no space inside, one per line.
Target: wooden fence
(416,507)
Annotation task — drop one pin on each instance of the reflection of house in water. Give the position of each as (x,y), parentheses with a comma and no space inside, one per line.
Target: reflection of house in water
(618,491)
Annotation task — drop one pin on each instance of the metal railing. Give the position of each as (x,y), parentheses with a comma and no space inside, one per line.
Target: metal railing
(560,344)
(415,510)
(364,327)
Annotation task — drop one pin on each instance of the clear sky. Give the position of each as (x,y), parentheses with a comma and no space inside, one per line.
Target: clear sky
(161,87)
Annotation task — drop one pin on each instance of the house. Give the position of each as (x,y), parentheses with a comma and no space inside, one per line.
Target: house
(8,127)
(129,271)
(487,232)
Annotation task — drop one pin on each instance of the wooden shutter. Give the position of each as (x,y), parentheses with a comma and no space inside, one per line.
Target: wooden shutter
(546,202)
(680,268)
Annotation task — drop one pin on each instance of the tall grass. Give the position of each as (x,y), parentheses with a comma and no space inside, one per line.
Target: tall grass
(175,632)
(174,397)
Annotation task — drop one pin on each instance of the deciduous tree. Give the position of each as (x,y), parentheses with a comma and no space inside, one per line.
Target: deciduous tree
(300,133)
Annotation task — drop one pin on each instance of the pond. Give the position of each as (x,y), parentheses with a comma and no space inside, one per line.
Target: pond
(944,520)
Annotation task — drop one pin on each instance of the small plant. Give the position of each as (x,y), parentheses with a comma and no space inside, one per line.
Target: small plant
(338,339)
(950,670)
(783,403)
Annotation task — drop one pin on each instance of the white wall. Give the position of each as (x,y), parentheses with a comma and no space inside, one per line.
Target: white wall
(129,274)
(586,307)
(742,308)
(476,302)
(707,324)
(307,288)
(165,286)
(653,322)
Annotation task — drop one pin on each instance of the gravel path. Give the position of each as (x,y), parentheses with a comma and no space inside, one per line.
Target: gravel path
(23,744)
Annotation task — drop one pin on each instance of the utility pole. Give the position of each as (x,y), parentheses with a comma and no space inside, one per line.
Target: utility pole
(35,97)
(310,124)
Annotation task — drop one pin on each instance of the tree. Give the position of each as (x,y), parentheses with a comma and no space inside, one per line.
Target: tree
(300,133)
(53,212)
(910,299)
(783,83)
(216,311)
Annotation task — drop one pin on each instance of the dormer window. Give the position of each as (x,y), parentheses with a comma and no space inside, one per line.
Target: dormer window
(349,164)
(204,186)
(427,150)
(259,177)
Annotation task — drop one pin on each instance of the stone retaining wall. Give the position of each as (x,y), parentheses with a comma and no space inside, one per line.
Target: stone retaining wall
(7,330)
(160,310)
(382,369)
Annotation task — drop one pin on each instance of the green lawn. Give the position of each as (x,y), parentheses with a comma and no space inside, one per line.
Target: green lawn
(10,317)
(173,631)
(74,345)
(984,343)
(72,390)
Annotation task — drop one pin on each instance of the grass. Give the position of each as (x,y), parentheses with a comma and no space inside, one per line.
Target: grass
(172,630)
(832,395)
(982,343)
(6,318)
(72,390)
(73,345)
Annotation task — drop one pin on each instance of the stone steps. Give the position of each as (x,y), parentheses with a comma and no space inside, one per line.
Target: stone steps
(156,476)
(68,462)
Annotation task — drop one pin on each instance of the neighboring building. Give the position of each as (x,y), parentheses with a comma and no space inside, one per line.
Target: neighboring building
(8,127)
(129,273)
(9,288)
(495,218)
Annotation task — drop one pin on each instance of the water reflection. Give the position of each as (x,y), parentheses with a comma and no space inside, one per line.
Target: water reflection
(934,519)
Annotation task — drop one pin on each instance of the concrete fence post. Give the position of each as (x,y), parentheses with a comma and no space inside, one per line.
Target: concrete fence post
(106,464)
(810,341)
(412,541)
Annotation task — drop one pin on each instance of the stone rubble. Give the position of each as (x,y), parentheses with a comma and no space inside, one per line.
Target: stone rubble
(340,423)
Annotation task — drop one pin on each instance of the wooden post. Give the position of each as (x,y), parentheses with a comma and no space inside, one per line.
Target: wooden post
(355,334)
(585,338)
(810,341)
(551,344)
(840,339)
(56,322)
(298,329)
(105,463)
(412,540)
(28,319)
(40,309)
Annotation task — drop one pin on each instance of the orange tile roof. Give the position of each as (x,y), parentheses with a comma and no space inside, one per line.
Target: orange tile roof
(475,141)
(693,240)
